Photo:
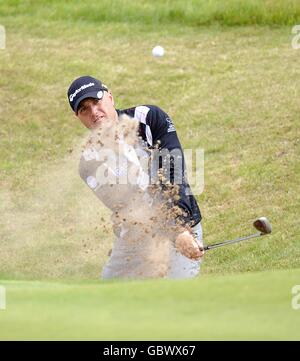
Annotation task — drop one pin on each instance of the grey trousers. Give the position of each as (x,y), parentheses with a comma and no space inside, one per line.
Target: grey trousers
(143,260)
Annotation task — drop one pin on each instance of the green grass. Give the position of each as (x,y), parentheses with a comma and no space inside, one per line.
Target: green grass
(156,12)
(253,306)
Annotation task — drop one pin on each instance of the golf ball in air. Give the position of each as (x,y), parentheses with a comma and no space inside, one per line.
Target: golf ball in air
(158,51)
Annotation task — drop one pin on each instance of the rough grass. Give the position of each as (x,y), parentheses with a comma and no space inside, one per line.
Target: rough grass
(253,306)
(231,91)
(156,12)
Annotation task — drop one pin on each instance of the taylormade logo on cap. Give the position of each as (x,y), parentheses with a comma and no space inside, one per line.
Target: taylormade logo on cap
(84,87)
(73,95)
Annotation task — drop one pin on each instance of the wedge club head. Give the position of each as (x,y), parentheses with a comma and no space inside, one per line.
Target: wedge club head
(263,225)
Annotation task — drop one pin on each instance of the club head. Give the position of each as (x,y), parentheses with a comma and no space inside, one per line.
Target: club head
(263,225)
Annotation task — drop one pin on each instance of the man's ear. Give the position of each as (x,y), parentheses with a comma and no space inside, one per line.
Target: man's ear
(111,97)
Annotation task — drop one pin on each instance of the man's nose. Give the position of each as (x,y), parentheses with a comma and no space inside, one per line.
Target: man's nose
(94,113)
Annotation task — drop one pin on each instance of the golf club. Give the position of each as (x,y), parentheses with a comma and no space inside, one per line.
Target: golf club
(261,224)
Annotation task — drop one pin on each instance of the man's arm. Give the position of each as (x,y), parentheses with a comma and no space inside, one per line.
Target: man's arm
(164,134)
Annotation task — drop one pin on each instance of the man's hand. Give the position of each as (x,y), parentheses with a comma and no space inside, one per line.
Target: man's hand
(186,244)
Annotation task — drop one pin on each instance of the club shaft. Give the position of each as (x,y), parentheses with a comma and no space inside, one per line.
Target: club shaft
(221,244)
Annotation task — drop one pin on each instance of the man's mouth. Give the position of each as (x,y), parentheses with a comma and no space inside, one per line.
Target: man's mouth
(98,122)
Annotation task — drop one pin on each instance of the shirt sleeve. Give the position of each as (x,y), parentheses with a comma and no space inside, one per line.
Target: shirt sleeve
(164,135)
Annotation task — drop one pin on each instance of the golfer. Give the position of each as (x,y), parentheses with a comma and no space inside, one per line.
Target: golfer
(93,104)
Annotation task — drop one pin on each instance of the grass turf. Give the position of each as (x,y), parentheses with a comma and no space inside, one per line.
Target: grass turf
(156,12)
(254,306)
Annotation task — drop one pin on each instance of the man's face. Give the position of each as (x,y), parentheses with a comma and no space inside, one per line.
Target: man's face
(92,112)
